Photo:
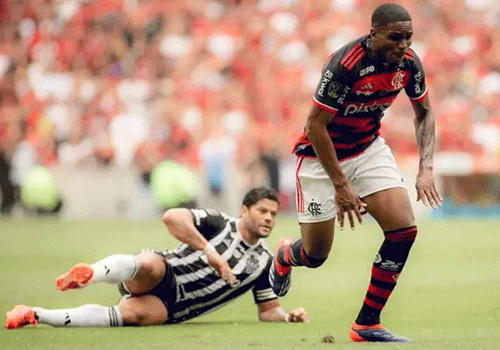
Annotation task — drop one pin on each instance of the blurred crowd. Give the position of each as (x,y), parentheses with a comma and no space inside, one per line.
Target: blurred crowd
(207,83)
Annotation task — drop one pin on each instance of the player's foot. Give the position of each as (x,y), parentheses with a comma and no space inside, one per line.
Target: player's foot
(20,316)
(375,333)
(280,276)
(78,277)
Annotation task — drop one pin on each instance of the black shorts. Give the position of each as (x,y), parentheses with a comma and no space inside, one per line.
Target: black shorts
(166,290)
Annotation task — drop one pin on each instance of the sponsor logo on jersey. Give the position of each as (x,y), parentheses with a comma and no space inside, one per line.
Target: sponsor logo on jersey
(335,90)
(418,80)
(354,108)
(343,95)
(327,76)
(365,90)
(366,70)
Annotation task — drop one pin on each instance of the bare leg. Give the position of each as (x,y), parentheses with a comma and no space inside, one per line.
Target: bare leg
(151,272)
(317,238)
(145,310)
(391,208)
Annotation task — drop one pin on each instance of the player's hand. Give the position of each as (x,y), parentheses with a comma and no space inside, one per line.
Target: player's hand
(221,267)
(426,189)
(299,315)
(348,202)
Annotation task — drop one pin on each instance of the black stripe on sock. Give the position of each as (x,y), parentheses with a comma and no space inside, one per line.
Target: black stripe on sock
(383,285)
(113,318)
(376,299)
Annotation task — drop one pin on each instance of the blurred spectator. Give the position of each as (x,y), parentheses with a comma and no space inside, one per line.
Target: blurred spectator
(114,83)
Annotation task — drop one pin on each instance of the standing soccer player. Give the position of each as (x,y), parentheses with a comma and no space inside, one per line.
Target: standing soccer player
(345,168)
(220,258)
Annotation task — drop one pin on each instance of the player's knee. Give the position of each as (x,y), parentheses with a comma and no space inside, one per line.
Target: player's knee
(310,261)
(136,312)
(131,316)
(152,266)
(314,263)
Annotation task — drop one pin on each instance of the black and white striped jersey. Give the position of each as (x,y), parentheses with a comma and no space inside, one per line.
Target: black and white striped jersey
(199,287)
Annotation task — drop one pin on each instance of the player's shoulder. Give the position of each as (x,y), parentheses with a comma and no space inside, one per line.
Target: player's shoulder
(350,55)
(203,214)
(411,58)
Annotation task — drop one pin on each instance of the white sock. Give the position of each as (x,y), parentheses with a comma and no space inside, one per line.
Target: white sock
(90,315)
(116,268)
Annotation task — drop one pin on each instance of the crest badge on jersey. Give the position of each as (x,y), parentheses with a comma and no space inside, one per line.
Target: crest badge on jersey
(252,265)
(397,81)
(334,90)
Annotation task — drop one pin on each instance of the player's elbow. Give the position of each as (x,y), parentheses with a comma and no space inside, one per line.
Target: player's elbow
(169,217)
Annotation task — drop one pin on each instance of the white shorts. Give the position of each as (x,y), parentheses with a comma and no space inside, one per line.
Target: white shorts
(372,171)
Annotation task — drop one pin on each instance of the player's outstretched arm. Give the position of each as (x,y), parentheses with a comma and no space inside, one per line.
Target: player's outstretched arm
(426,140)
(179,222)
(271,311)
(347,200)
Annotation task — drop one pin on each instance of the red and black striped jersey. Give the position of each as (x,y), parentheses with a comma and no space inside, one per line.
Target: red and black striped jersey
(356,88)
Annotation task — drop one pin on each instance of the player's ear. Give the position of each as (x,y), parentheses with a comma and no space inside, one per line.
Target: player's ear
(244,210)
(372,33)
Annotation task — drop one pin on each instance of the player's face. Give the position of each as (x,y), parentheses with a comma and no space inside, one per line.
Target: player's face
(392,41)
(260,217)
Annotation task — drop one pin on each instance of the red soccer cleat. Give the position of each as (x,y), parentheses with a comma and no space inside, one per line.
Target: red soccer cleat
(280,276)
(20,316)
(78,277)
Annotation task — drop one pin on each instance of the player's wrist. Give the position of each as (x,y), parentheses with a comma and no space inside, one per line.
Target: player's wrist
(340,183)
(208,248)
(288,318)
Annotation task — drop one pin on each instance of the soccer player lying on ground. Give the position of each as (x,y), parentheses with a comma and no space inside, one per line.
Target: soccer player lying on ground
(345,167)
(220,258)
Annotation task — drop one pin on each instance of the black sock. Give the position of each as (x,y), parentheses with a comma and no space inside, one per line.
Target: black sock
(386,269)
(295,255)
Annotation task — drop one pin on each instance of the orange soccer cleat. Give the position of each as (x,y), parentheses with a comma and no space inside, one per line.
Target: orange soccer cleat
(78,277)
(374,333)
(20,316)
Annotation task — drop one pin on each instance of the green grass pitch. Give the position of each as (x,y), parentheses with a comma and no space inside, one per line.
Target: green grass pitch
(447,298)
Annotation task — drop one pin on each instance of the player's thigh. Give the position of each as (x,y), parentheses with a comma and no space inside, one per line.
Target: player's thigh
(151,272)
(391,208)
(144,310)
(315,195)
(317,238)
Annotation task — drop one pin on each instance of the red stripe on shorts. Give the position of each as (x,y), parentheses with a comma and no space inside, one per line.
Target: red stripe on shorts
(299,195)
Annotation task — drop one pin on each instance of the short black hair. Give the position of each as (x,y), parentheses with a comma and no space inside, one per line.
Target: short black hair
(258,193)
(389,13)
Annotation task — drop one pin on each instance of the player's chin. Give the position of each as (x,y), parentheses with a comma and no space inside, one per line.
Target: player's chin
(395,58)
(265,231)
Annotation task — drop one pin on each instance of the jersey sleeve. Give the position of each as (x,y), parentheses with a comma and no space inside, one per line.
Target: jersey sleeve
(416,88)
(209,222)
(262,290)
(334,85)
